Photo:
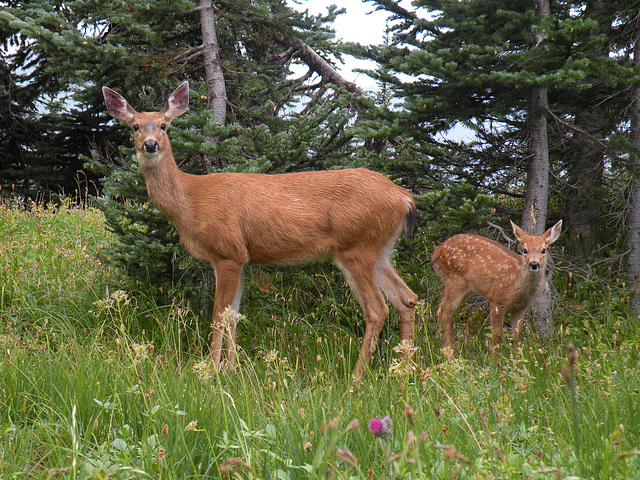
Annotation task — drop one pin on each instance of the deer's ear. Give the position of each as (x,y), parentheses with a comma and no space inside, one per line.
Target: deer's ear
(553,233)
(118,107)
(178,102)
(518,232)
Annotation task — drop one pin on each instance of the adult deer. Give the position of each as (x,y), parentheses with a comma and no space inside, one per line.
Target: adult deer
(473,264)
(235,219)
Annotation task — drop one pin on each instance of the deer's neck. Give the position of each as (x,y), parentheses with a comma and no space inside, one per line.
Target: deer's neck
(165,185)
(531,282)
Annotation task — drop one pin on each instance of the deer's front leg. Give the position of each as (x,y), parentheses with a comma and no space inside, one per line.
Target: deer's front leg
(228,293)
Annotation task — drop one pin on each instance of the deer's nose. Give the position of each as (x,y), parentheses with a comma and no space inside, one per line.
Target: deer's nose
(534,266)
(150,146)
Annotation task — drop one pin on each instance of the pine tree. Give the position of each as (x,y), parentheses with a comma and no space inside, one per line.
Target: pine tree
(472,64)
(482,64)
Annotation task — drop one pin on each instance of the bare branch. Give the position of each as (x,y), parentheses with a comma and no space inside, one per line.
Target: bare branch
(318,64)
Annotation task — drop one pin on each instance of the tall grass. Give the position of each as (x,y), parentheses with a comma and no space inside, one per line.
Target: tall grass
(101,379)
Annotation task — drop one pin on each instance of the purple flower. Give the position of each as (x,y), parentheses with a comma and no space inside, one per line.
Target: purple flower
(380,426)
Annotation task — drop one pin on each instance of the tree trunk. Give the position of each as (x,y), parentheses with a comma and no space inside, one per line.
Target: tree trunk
(217,104)
(216,89)
(633,219)
(587,153)
(534,216)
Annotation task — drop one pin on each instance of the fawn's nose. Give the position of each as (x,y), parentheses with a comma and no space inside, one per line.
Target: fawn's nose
(150,146)
(534,266)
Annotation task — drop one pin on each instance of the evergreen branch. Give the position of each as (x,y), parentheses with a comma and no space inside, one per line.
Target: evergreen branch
(579,130)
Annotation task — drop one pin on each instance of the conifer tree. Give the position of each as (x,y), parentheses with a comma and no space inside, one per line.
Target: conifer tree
(457,63)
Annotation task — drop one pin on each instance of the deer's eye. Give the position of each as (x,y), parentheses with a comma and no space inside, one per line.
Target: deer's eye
(136,128)
(543,251)
(525,251)
(163,127)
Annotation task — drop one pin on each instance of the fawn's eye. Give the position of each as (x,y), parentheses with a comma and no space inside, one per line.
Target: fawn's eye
(525,251)
(543,251)
(136,128)
(163,127)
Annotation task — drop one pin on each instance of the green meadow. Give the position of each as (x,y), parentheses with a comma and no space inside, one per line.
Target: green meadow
(104,378)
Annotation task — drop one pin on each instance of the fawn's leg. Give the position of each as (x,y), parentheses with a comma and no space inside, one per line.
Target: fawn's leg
(455,294)
(497,327)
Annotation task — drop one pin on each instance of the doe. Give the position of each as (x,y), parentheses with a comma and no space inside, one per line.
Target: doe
(235,219)
(474,264)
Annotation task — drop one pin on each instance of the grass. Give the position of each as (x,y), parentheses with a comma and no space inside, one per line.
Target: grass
(99,379)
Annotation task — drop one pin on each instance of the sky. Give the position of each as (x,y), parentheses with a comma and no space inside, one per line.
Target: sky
(361,23)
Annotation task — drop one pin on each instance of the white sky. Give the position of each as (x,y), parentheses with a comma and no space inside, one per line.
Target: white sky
(361,23)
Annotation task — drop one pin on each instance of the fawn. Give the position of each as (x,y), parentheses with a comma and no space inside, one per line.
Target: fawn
(473,264)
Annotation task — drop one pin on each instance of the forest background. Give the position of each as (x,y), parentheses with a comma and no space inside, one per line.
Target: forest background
(102,310)
(548,91)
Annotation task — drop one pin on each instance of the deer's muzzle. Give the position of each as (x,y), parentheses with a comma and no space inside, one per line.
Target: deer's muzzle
(150,146)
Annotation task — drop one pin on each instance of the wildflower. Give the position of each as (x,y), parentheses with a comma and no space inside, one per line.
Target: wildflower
(203,370)
(140,350)
(120,296)
(380,426)
(411,438)
(450,453)
(406,348)
(408,412)
(333,423)
(572,355)
(192,427)
(231,317)
(233,463)
(271,356)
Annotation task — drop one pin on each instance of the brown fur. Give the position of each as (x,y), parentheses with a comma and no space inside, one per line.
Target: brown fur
(472,264)
(235,219)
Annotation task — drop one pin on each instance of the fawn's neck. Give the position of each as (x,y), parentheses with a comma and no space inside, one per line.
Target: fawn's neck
(531,281)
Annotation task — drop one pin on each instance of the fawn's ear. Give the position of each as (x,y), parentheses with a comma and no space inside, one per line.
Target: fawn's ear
(553,233)
(118,107)
(518,232)
(178,102)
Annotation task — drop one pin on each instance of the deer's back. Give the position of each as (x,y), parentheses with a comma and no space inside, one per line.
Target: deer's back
(292,218)
(480,265)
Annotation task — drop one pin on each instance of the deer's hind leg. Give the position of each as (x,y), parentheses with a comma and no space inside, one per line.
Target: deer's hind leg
(402,298)
(361,276)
